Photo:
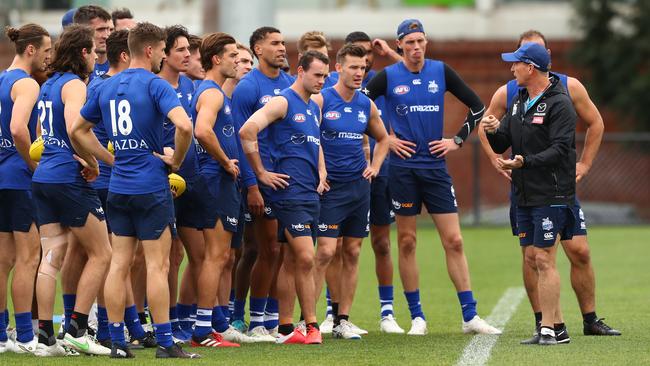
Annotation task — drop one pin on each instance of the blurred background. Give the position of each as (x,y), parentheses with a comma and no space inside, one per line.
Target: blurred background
(604,43)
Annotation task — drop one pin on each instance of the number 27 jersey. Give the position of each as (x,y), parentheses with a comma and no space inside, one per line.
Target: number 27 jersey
(133,105)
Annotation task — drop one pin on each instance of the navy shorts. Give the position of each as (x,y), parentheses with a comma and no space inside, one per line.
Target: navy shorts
(102,193)
(540,225)
(189,206)
(344,210)
(143,216)
(238,236)
(266,196)
(66,203)
(221,202)
(411,187)
(580,228)
(17,210)
(300,218)
(381,209)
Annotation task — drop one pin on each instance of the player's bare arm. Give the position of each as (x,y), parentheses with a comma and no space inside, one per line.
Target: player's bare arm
(587,112)
(377,130)
(25,94)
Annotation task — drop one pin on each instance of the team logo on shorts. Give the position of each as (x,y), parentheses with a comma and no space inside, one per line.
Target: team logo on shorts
(581,214)
(248,217)
(391,213)
(299,117)
(401,89)
(265,99)
(322,227)
(583,225)
(267,210)
(232,220)
(332,115)
(402,109)
(362,117)
(547,224)
(433,87)
(298,227)
(228,130)
(100,210)
(548,236)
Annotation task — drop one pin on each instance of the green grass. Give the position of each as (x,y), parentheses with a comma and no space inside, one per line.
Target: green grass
(619,255)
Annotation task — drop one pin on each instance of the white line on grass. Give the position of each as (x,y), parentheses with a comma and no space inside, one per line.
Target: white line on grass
(477,352)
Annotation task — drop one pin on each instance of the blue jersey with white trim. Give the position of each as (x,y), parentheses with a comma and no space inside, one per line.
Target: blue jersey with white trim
(295,144)
(99,70)
(15,172)
(415,109)
(224,129)
(342,128)
(133,105)
(57,163)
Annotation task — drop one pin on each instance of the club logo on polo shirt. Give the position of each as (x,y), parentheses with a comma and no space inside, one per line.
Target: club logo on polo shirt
(547,224)
(362,117)
(332,115)
(299,117)
(228,130)
(433,87)
(401,89)
(541,107)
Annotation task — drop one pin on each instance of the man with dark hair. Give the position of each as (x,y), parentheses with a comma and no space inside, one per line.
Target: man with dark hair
(251,94)
(18,231)
(348,115)
(577,248)
(123,19)
(540,129)
(297,177)
(100,21)
(139,200)
(414,92)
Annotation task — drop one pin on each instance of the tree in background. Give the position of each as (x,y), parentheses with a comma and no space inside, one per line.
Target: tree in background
(616,49)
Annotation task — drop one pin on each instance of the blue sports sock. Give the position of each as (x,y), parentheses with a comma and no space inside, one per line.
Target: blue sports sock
(226,312)
(164,334)
(195,308)
(231,302)
(328,299)
(203,325)
(117,333)
(257,312)
(386,300)
(413,299)
(271,313)
(467,304)
(183,312)
(3,327)
(68,307)
(219,322)
(132,322)
(102,324)
(24,326)
(239,309)
(7,317)
(173,318)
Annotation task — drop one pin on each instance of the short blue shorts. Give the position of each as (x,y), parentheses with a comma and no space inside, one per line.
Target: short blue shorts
(411,187)
(143,216)
(66,203)
(344,210)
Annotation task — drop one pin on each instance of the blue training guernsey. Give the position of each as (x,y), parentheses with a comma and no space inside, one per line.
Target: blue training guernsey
(342,128)
(190,166)
(15,172)
(99,70)
(57,163)
(415,109)
(133,105)
(224,129)
(296,144)
(252,92)
(100,132)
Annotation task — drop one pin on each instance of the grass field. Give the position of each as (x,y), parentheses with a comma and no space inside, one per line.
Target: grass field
(620,256)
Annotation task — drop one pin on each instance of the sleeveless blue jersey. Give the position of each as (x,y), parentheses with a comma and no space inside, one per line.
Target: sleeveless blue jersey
(133,105)
(295,141)
(342,128)
(15,173)
(512,89)
(190,166)
(104,169)
(57,164)
(415,109)
(99,70)
(224,129)
(252,92)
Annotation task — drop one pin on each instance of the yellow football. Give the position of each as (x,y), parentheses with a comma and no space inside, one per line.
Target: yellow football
(110,148)
(176,184)
(36,149)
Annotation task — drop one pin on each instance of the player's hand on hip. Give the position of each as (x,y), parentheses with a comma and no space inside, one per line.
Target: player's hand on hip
(90,170)
(402,148)
(232,168)
(490,124)
(323,186)
(274,180)
(169,160)
(370,173)
(255,201)
(581,171)
(441,147)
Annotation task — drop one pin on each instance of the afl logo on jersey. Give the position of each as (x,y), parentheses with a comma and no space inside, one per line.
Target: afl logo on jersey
(332,115)
(401,89)
(299,117)
(265,99)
